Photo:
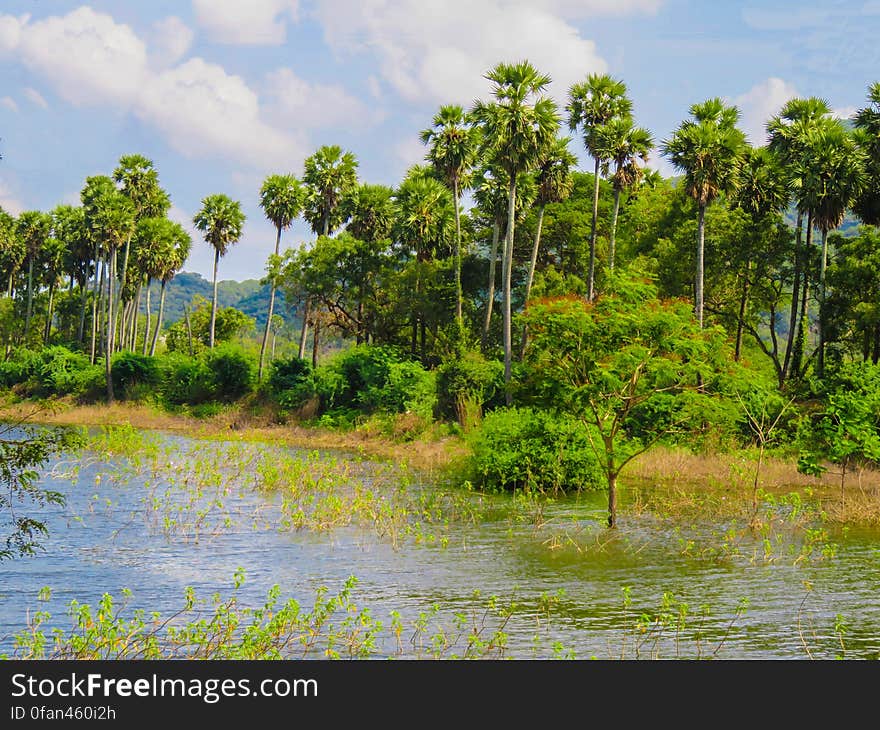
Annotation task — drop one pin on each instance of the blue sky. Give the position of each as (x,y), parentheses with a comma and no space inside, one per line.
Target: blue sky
(221,93)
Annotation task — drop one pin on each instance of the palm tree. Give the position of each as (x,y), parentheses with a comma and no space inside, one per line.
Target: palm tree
(621,143)
(453,145)
(762,192)
(180,245)
(12,249)
(554,183)
(867,122)
(517,129)
(425,219)
(221,221)
(592,104)
(281,198)
(707,150)
(33,228)
(793,135)
(95,190)
(330,179)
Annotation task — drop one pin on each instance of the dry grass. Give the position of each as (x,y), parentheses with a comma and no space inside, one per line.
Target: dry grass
(425,454)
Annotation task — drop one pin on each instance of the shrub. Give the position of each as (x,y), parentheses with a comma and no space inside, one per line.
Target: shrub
(286,374)
(134,374)
(523,448)
(233,372)
(467,386)
(184,379)
(20,366)
(60,371)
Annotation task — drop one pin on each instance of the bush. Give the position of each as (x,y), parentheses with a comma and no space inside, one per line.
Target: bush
(21,365)
(184,379)
(134,374)
(286,374)
(523,448)
(233,372)
(61,371)
(468,386)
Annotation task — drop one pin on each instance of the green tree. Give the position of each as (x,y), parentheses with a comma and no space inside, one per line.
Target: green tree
(281,198)
(221,221)
(591,105)
(626,364)
(12,249)
(453,144)
(867,123)
(34,227)
(707,150)
(517,129)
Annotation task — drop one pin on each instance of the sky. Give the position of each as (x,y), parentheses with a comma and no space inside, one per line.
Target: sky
(221,93)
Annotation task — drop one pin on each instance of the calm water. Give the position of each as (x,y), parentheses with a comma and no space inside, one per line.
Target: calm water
(112,534)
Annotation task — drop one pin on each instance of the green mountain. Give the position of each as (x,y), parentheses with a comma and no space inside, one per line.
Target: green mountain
(249,296)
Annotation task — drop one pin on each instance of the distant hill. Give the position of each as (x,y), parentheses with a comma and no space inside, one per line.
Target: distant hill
(249,296)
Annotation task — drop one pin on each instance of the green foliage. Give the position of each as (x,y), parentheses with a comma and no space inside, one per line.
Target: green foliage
(230,323)
(133,374)
(233,372)
(530,449)
(53,370)
(468,385)
(185,380)
(22,453)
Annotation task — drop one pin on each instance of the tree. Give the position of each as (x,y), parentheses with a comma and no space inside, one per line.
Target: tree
(453,146)
(592,104)
(12,249)
(627,364)
(33,228)
(867,123)
(554,183)
(516,128)
(330,179)
(706,149)
(221,221)
(281,198)
(24,450)
(621,143)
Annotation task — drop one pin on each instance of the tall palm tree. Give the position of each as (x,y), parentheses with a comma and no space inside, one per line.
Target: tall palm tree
(517,129)
(867,122)
(554,182)
(794,134)
(221,221)
(762,192)
(12,249)
(707,150)
(592,104)
(453,144)
(180,245)
(425,220)
(619,142)
(330,179)
(95,190)
(51,263)
(281,198)
(34,227)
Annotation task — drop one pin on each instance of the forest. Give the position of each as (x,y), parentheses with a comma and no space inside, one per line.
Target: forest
(559,322)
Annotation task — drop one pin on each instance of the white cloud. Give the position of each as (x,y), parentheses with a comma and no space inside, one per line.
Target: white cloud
(427,54)
(9,103)
(845,112)
(87,56)
(170,40)
(293,100)
(202,109)
(759,104)
(36,97)
(408,152)
(256,22)
(10,32)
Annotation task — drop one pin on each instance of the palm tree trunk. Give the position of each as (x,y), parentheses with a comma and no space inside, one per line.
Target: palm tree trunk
(508,274)
(823,265)
(84,301)
(48,331)
(611,244)
(99,286)
(458,295)
(701,239)
(108,351)
(30,296)
(271,308)
(803,327)
(532,264)
(795,298)
(158,320)
(214,298)
(316,332)
(591,274)
(490,298)
(147,319)
(304,332)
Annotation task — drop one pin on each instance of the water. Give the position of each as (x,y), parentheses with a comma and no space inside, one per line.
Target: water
(114,533)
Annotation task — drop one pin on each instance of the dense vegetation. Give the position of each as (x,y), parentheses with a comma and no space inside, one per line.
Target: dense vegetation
(564,323)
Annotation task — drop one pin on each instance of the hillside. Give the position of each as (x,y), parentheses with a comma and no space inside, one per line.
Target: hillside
(249,296)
